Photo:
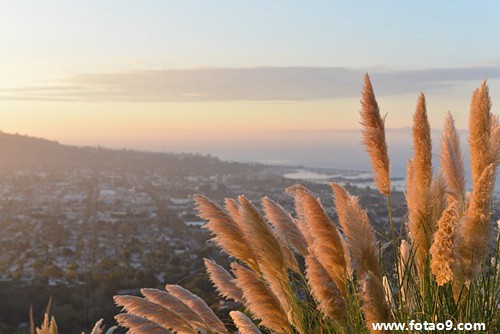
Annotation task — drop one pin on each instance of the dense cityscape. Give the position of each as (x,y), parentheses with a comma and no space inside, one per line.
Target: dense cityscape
(83,233)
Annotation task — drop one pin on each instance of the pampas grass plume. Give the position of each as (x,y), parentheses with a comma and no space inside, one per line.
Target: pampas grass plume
(199,306)
(325,291)
(480,122)
(268,251)
(261,301)
(452,162)
(227,233)
(327,244)
(375,308)
(374,138)
(138,325)
(474,231)
(154,312)
(357,229)
(285,226)
(244,324)
(419,186)
(171,302)
(442,249)
(223,281)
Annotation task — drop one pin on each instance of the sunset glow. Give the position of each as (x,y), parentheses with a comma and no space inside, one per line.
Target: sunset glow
(171,75)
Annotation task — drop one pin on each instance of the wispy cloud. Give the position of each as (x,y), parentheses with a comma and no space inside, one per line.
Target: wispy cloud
(254,84)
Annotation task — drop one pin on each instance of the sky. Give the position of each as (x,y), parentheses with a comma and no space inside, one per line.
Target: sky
(248,80)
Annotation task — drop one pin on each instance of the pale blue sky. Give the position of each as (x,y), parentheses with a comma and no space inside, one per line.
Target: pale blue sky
(93,72)
(180,34)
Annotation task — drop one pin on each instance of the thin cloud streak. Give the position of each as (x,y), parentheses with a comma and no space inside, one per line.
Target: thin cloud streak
(246,84)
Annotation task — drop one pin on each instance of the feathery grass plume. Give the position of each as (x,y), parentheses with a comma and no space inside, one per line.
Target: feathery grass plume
(388,292)
(273,263)
(361,242)
(261,300)
(452,162)
(438,199)
(347,256)
(227,234)
(374,138)
(138,325)
(495,140)
(173,303)
(244,324)
(404,268)
(233,209)
(99,328)
(268,251)
(49,325)
(199,306)
(410,194)
(327,244)
(480,123)
(442,249)
(474,230)
(154,312)
(285,226)
(325,291)
(300,221)
(285,244)
(422,145)
(418,204)
(223,281)
(375,308)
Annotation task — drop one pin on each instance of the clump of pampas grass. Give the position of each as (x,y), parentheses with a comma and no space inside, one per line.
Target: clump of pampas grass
(49,324)
(305,272)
